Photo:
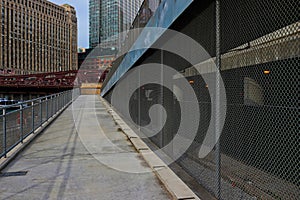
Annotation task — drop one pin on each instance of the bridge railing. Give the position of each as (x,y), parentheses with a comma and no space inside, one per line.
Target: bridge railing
(18,121)
(65,79)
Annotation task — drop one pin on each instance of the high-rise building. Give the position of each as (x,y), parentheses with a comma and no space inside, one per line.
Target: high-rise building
(37,36)
(108,18)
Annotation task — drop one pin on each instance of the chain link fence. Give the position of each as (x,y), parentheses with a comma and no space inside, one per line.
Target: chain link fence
(259,52)
(20,120)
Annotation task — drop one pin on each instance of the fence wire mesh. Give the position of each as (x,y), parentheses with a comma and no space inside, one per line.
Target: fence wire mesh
(27,121)
(259,144)
(13,125)
(37,115)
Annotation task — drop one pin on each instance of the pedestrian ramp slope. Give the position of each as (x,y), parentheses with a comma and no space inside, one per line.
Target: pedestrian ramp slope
(81,155)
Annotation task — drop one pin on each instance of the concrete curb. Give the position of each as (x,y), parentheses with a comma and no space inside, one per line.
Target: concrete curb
(21,146)
(174,185)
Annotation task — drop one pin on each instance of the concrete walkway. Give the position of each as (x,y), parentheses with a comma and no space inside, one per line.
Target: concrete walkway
(80,161)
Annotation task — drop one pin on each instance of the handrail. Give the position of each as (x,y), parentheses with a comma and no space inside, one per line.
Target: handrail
(16,125)
(32,100)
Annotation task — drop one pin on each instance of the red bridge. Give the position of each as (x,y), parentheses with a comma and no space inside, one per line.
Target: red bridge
(54,80)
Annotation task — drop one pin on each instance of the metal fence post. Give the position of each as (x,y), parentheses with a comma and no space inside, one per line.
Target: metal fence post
(52,107)
(21,122)
(217,102)
(41,112)
(59,102)
(56,103)
(70,96)
(32,115)
(47,110)
(64,100)
(4,132)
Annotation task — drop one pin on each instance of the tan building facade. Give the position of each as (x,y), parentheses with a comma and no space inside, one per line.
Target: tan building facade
(37,36)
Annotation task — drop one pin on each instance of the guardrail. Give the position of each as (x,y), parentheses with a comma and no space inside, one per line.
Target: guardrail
(20,120)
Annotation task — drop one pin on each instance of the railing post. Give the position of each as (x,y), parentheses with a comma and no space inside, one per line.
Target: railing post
(21,122)
(41,112)
(47,109)
(60,101)
(67,94)
(65,98)
(64,102)
(4,132)
(32,115)
(52,106)
(56,105)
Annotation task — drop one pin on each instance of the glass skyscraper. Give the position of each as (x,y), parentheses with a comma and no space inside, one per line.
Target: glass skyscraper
(108,18)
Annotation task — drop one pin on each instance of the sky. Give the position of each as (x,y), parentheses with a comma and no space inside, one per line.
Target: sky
(82,11)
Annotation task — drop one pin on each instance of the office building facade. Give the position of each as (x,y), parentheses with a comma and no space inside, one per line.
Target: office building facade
(99,59)
(108,18)
(37,36)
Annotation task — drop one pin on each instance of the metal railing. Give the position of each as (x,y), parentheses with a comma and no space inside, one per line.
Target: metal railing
(20,120)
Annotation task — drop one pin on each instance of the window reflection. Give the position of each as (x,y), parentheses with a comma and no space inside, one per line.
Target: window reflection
(253,93)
